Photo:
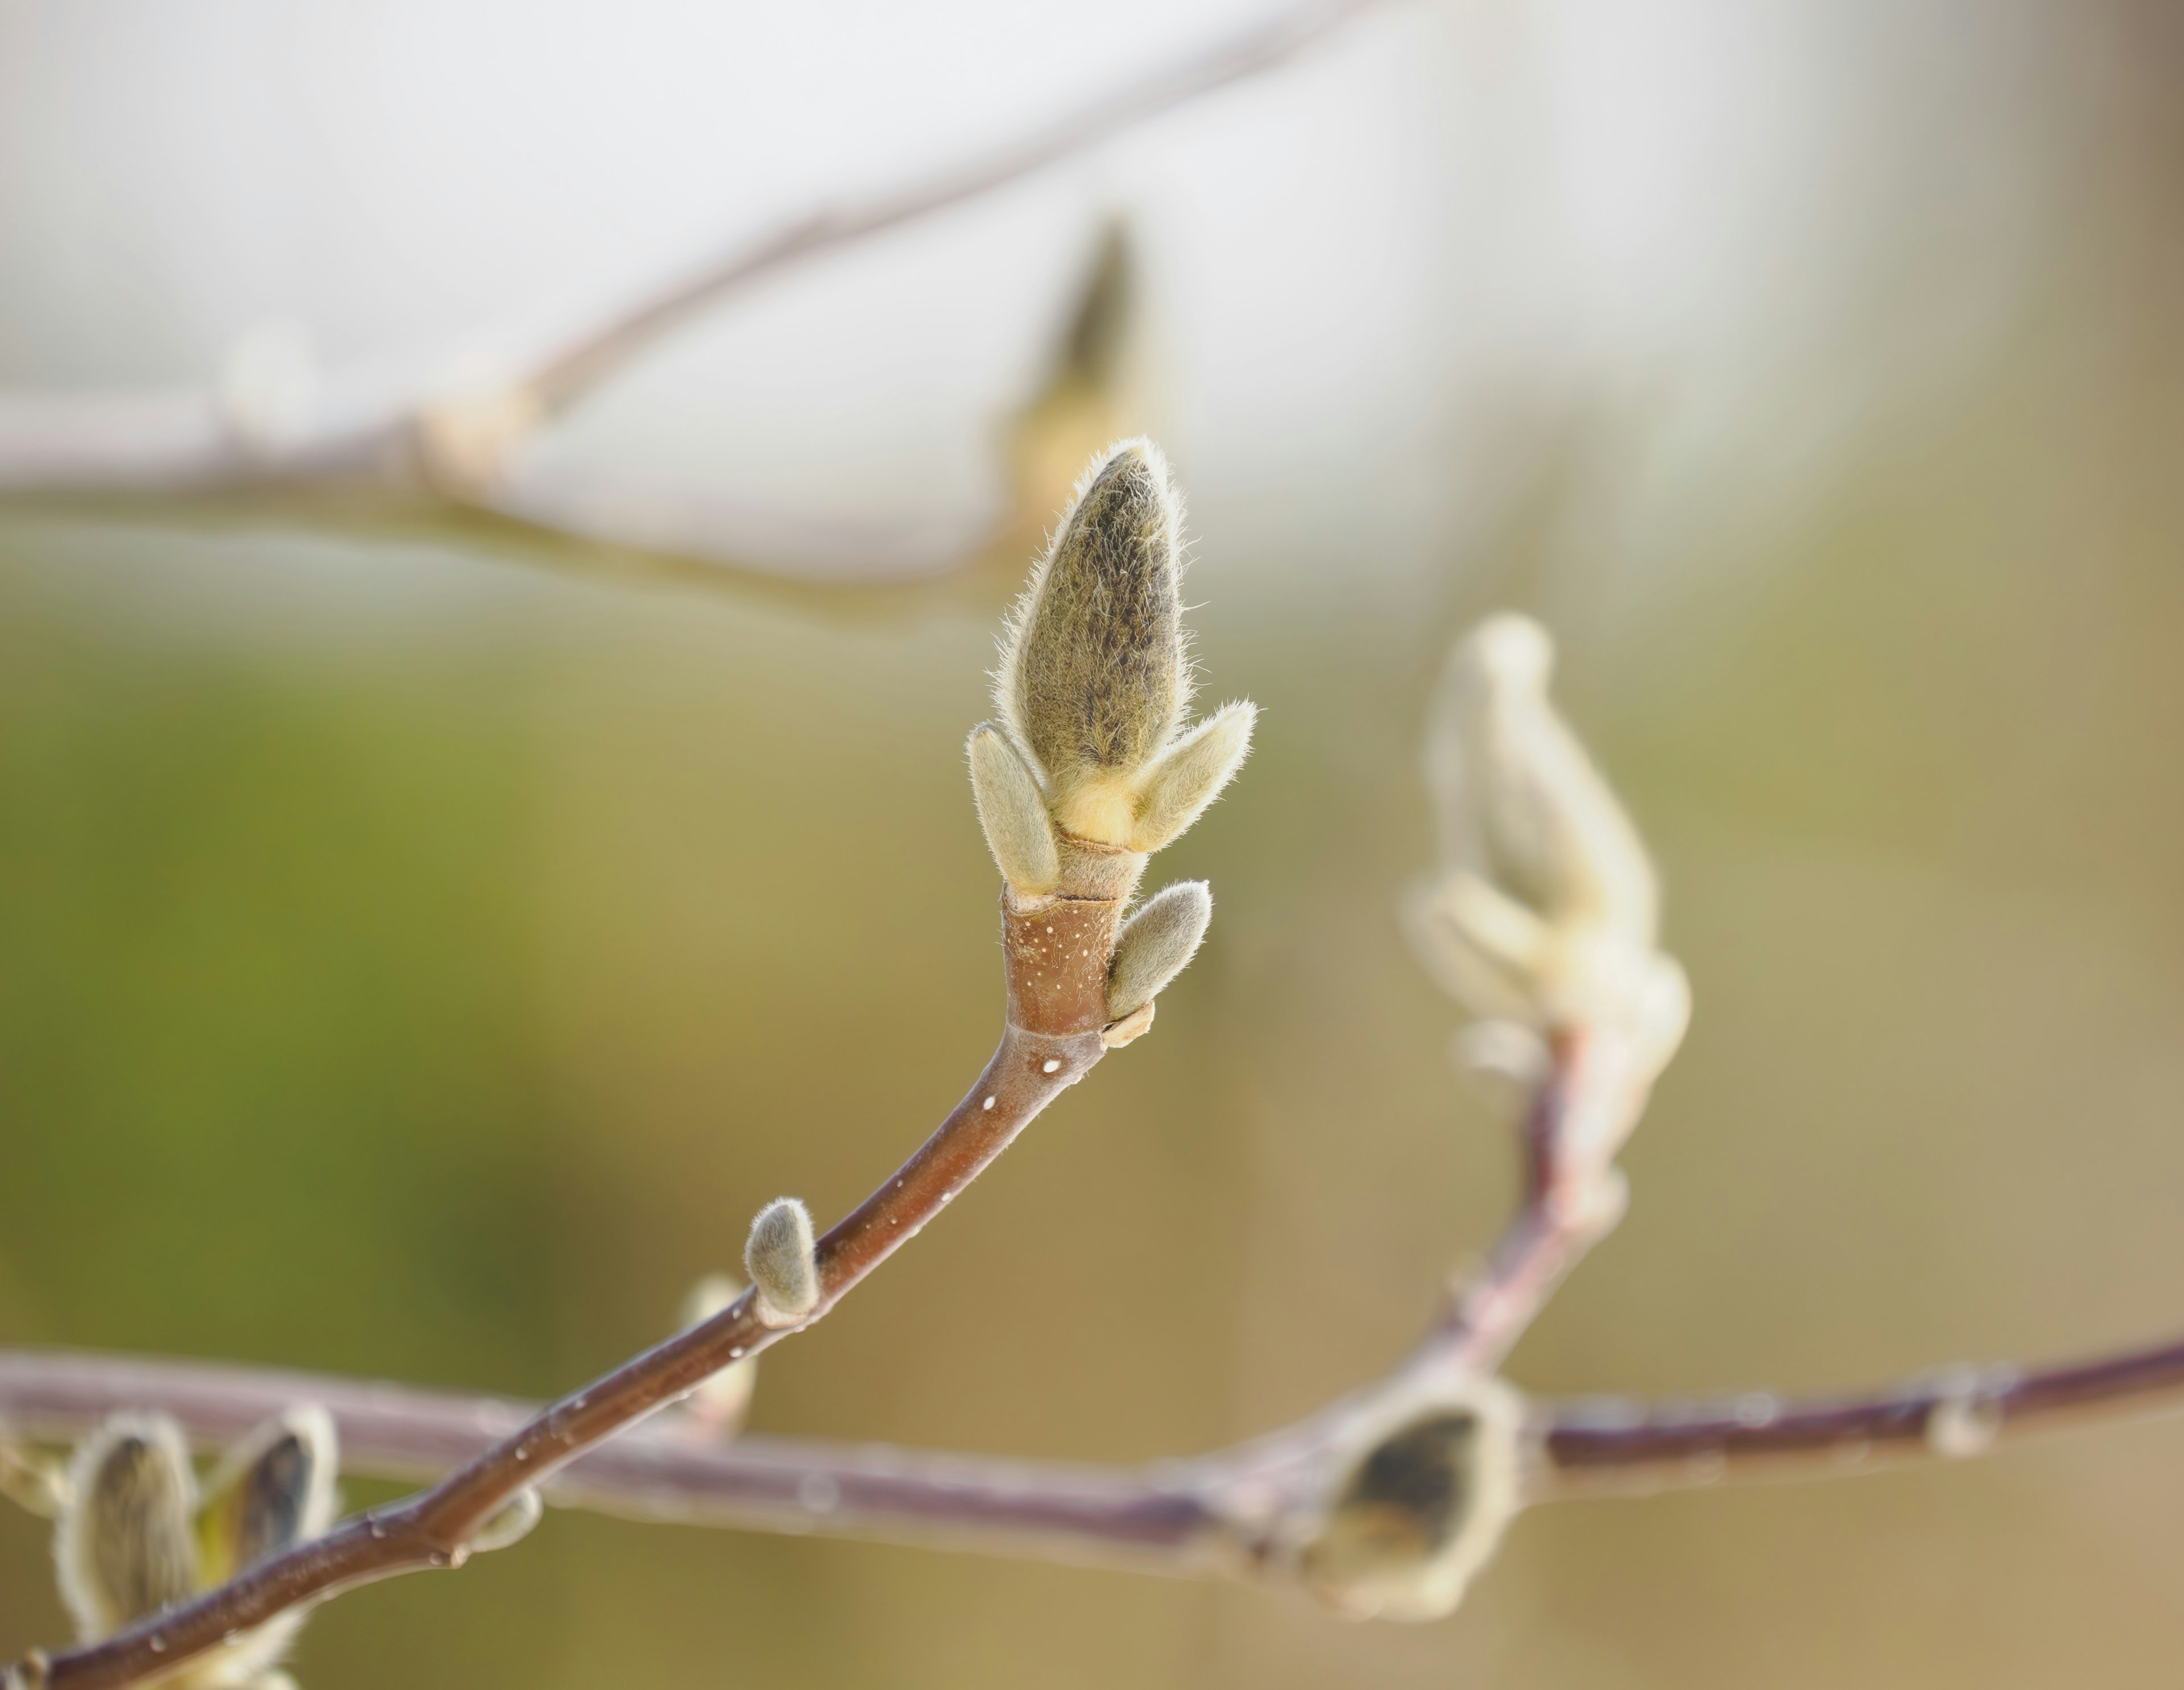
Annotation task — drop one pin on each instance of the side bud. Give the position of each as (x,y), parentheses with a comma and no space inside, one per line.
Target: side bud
(1190,774)
(1093,677)
(1013,812)
(1156,944)
(778,1259)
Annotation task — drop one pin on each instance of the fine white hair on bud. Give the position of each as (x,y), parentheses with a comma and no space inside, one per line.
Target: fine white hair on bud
(1545,910)
(1094,681)
(272,1490)
(1093,676)
(1421,1503)
(123,1547)
(778,1259)
(1013,812)
(1155,944)
(1190,773)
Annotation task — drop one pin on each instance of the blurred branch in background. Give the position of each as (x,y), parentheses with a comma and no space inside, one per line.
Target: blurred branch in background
(1156,1517)
(274,424)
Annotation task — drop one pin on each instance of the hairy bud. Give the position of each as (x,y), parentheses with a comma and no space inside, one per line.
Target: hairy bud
(1421,1506)
(1190,774)
(123,1547)
(1156,944)
(779,1260)
(1093,684)
(1093,677)
(1013,812)
(272,1491)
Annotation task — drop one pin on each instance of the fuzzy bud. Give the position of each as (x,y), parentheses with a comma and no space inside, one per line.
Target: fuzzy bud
(779,1260)
(1013,812)
(1094,682)
(1421,1506)
(1190,774)
(1154,944)
(272,1490)
(123,1547)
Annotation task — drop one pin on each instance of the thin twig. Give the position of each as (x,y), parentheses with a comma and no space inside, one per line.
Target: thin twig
(455,442)
(1058,997)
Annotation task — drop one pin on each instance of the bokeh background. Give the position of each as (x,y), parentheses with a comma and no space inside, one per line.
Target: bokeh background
(423,943)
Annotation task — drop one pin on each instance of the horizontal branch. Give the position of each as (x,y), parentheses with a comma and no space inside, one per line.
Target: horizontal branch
(1154,1517)
(1608,1446)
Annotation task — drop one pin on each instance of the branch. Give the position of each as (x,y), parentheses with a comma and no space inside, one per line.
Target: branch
(456,442)
(1051,1040)
(1154,1517)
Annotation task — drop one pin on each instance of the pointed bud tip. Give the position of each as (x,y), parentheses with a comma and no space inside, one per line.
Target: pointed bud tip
(1093,677)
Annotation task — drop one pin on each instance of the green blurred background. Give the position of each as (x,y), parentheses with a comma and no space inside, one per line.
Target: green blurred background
(418,957)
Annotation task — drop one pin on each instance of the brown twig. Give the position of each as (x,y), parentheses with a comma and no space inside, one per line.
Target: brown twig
(1055,958)
(456,443)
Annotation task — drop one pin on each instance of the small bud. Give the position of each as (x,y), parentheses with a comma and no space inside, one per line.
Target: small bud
(1421,1507)
(273,1490)
(1155,944)
(123,1547)
(1190,774)
(717,1406)
(1013,812)
(510,1523)
(779,1260)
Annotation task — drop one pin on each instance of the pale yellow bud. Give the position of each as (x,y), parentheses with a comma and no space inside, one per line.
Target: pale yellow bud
(1545,910)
